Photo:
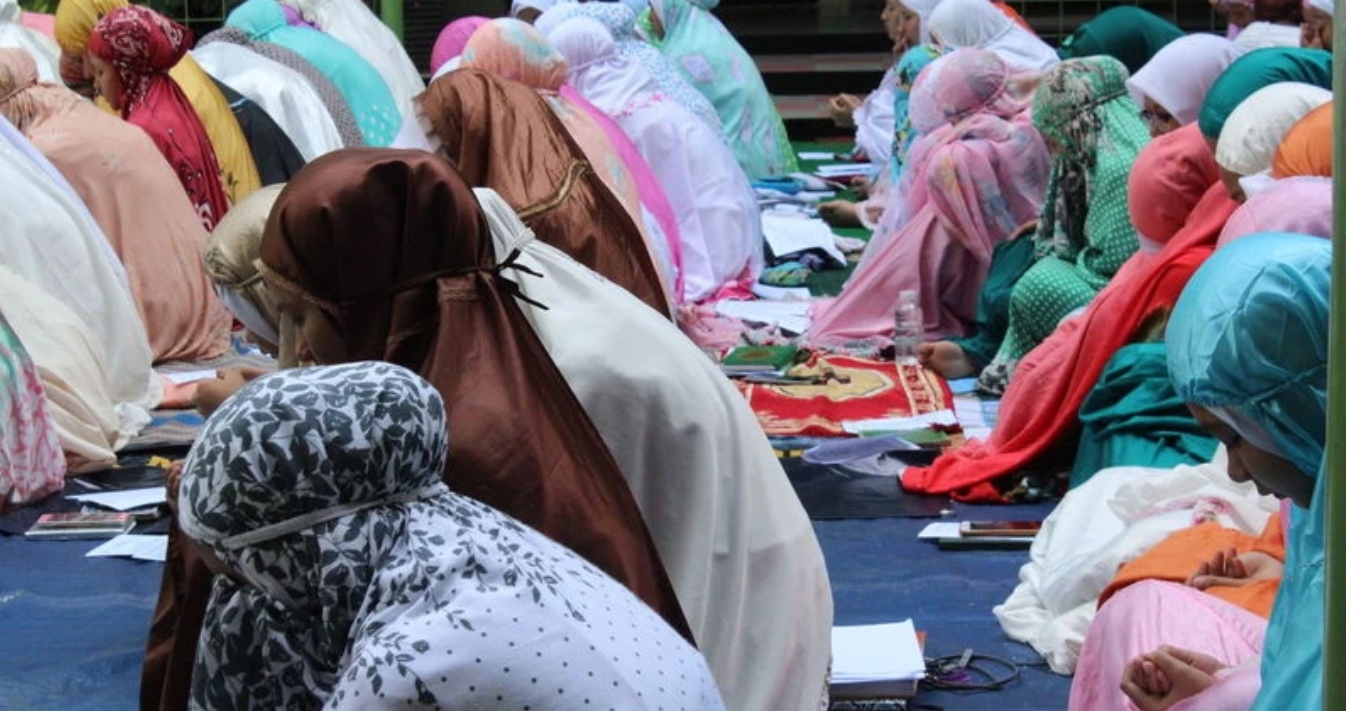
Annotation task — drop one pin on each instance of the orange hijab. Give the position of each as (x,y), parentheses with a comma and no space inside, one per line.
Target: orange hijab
(1307,148)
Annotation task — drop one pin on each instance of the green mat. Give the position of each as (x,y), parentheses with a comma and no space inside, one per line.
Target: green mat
(829,283)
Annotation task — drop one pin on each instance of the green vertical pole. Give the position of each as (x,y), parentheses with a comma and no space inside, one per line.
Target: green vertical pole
(391,13)
(1334,632)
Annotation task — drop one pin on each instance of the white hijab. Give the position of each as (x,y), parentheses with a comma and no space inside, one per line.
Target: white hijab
(979,23)
(284,94)
(1255,129)
(923,10)
(44,51)
(1179,76)
(1326,6)
(352,22)
(736,543)
(1260,35)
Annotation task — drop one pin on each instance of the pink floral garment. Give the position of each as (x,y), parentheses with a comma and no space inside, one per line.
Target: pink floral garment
(31,462)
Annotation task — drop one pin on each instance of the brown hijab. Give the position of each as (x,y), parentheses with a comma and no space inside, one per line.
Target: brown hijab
(502,136)
(393,247)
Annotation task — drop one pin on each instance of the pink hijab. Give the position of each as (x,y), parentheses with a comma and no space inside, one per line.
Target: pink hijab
(1300,205)
(515,50)
(453,40)
(975,179)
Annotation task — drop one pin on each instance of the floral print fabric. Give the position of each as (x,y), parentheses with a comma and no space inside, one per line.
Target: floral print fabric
(371,586)
(31,462)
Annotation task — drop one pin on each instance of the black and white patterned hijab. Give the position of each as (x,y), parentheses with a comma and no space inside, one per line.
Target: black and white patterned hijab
(371,586)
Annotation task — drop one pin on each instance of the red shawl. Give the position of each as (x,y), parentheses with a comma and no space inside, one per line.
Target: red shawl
(143,45)
(1041,404)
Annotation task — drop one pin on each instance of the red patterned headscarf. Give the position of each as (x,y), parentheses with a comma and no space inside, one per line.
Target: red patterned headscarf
(142,46)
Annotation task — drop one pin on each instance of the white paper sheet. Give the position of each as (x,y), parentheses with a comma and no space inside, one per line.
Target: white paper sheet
(864,653)
(126,499)
(816,155)
(781,293)
(191,376)
(792,316)
(898,424)
(790,232)
(844,170)
(131,545)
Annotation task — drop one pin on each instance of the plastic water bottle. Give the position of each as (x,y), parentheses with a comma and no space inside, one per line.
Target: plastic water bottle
(910,327)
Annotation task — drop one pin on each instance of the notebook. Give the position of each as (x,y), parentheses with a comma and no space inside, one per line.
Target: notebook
(883,661)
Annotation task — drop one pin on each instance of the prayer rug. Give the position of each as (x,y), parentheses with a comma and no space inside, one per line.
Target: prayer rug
(850,389)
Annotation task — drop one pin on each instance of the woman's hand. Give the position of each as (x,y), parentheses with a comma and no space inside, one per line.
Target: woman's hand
(1025,229)
(842,108)
(172,481)
(839,213)
(1229,568)
(1162,678)
(210,394)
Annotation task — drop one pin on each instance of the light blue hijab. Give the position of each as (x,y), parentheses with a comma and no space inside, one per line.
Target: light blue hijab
(1249,338)
(358,81)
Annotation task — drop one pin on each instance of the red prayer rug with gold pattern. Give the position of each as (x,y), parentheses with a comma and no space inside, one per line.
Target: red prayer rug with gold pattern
(854,389)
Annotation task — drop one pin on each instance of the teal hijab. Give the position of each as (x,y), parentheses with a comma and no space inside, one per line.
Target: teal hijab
(1258,69)
(908,68)
(1249,338)
(1127,33)
(709,57)
(359,83)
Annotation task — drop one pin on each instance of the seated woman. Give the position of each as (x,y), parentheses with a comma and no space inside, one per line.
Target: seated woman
(1316,31)
(977,23)
(620,19)
(719,222)
(479,119)
(1126,33)
(75,20)
(476,607)
(1275,23)
(1307,148)
(452,40)
(975,180)
(1249,139)
(873,117)
(1265,296)
(230,261)
(1178,207)
(138,202)
(131,50)
(518,52)
(715,63)
(14,33)
(1253,71)
(359,83)
(1171,87)
(31,463)
(356,26)
(1085,235)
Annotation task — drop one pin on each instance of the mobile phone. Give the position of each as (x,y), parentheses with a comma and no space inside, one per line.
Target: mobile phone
(1003,529)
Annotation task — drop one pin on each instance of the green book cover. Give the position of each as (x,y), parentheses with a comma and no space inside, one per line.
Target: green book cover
(759,358)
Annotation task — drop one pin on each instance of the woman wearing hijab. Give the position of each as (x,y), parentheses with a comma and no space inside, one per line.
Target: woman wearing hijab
(1178,208)
(452,41)
(975,179)
(1265,297)
(531,613)
(872,117)
(282,93)
(719,222)
(46,55)
(359,83)
(542,173)
(1253,71)
(355,25)
(516,51)
(231,262)
(131,50)
(977,23)
(1307,148)
(66,296)
(1317,28)
(75,21)
(620,19)
(1126,33)
(717,65)
(1173,84)
(31,463)
(1253,133)
(136,199)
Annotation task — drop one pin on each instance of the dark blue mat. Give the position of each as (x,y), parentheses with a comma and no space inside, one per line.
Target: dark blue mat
(72,629)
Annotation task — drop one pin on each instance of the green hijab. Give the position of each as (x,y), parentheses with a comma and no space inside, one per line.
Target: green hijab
(1126,33)
(1255,70)
(1084,111)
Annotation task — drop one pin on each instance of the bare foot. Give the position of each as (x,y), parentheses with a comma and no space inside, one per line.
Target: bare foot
(839,213)
(945,358)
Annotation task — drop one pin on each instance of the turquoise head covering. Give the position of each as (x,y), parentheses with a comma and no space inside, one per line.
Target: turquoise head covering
(715,64)
(908,68)
(358,82)
(1249,336)
(1126,33)
(1258,69)
(1083,109)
